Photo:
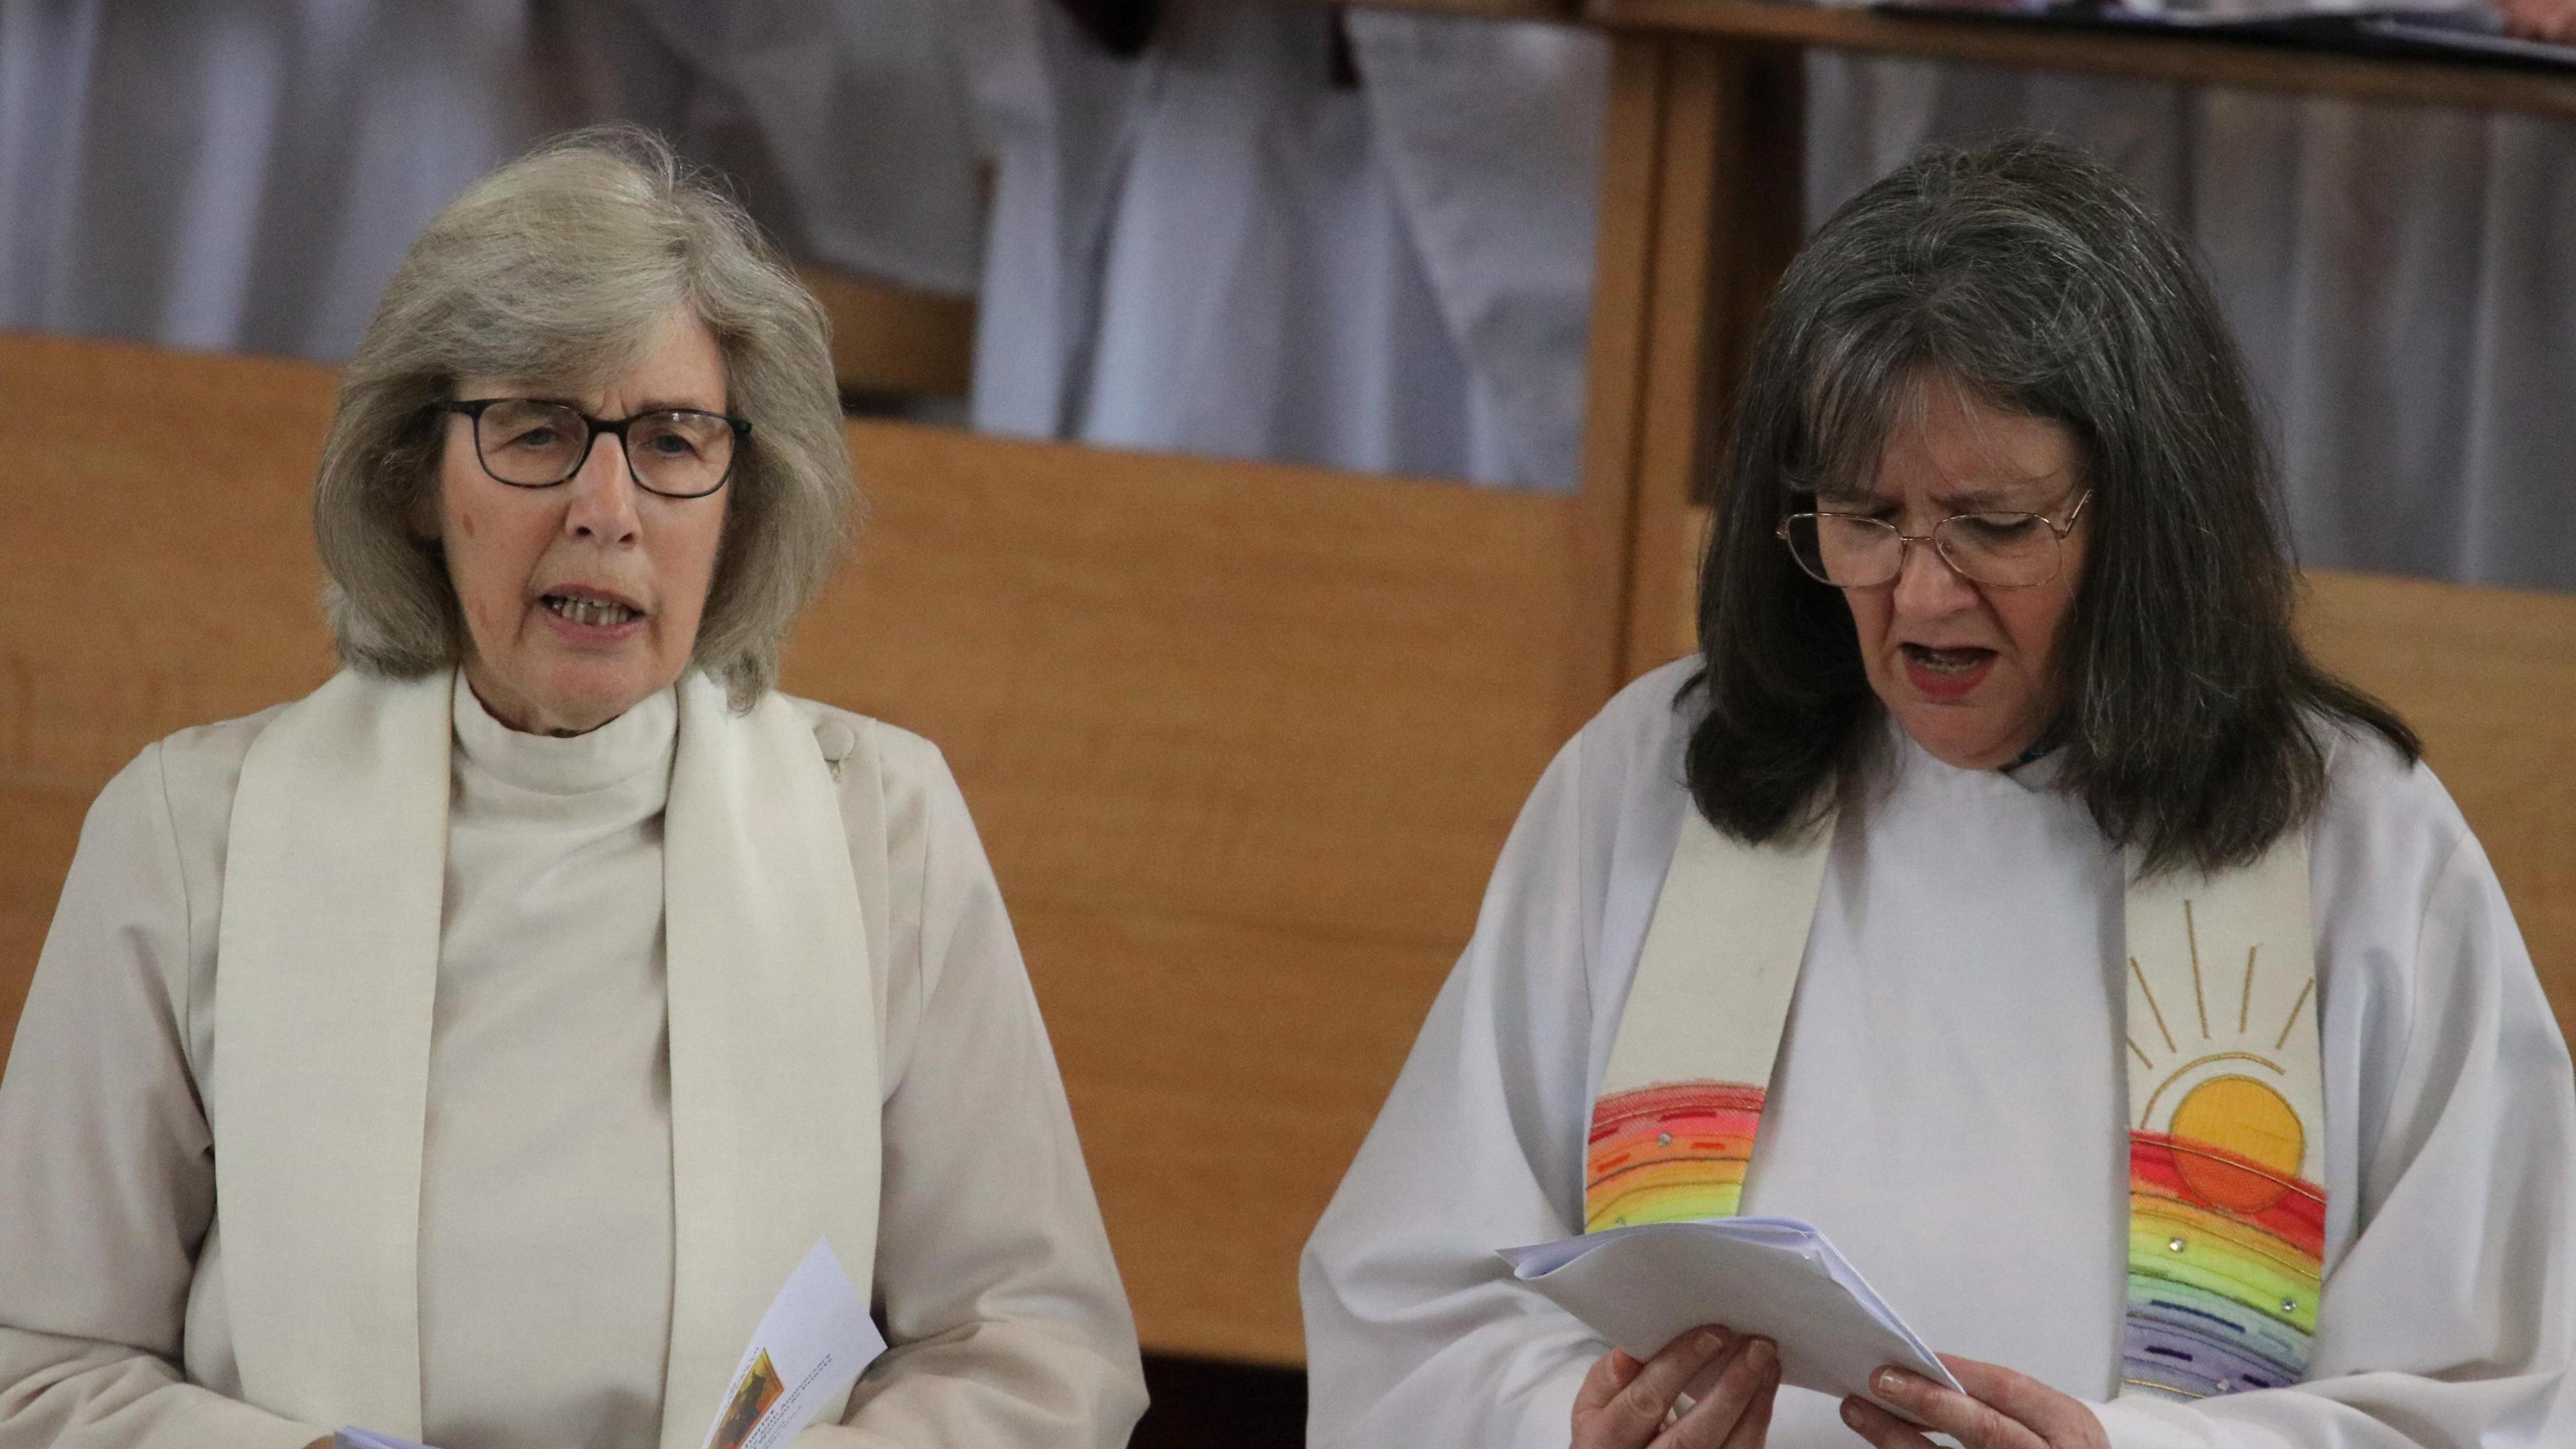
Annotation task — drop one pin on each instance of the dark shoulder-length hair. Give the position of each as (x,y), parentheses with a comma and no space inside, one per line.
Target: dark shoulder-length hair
(2027,275)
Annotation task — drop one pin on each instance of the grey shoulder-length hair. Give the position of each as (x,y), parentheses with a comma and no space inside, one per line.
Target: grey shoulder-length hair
(2191,721)
(561,268)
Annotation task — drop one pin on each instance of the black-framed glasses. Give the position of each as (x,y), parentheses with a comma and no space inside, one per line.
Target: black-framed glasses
(2006,550)
(533,443)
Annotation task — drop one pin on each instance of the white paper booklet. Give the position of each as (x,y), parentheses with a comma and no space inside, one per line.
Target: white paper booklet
(1775,1277)
(811,1344)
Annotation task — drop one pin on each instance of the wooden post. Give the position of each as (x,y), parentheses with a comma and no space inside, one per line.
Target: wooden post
(1700,211)
(1733,217)
(1623,307)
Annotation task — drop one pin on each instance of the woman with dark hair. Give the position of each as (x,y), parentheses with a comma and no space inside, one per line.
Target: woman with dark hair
(2003,891)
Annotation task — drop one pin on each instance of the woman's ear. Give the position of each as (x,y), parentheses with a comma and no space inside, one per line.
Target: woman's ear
(421,512)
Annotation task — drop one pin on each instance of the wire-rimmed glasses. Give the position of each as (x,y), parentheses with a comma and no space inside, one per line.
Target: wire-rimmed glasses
(2005,550)
(533,443)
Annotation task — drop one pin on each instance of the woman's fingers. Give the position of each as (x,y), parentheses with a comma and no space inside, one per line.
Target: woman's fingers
(1641,1407)
(1732,1416)
(1750,1377)
(1631,1414)
(1753,1426)
(1610,1373)
(1972,1421)
(1882,1429)
(2540,19)
(2058,1419)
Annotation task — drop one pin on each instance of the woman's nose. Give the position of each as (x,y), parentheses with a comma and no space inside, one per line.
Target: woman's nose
(1926,585)
(602,507)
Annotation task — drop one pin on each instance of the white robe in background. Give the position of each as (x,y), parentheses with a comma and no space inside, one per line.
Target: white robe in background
(245,176)
(845,125)
(546,1238)
(1949,1108)
(1216,249)
(1057,113)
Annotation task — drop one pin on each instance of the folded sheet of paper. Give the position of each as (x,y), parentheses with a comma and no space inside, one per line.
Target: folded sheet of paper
(362,1439)
(1776,1277)
(811,1344)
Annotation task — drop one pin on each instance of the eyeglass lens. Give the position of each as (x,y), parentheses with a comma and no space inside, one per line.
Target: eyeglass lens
(2011,550)
(534,444)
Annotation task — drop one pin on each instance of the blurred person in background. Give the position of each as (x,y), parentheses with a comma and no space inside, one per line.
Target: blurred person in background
(1315,234)
(245,177)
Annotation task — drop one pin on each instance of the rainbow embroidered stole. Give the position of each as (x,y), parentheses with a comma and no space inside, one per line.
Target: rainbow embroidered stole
(2225,1091)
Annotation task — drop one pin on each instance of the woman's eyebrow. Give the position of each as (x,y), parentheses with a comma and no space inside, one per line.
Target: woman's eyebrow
(1849,501)
(1985,500)
(2021,495)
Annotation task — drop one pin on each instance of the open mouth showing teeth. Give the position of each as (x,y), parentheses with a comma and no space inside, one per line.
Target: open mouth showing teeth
(599,613)
(1947,661)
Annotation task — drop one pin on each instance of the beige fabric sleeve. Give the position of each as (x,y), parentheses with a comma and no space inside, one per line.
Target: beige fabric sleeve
(994,1276)
(106,1165)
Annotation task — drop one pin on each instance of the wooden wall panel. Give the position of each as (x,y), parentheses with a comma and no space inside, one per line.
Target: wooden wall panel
(1178,679)
(2488,676)
(39,827)
(156,571)
(891,341)
(1243,742)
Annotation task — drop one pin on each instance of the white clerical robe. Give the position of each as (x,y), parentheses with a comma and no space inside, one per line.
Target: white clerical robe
(1949,1108)
(546,1235)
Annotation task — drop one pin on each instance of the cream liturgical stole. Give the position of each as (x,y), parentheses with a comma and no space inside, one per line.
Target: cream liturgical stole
(327,971)
(2226,1096)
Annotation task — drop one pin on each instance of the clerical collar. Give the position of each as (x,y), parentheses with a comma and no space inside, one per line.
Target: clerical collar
(636,743)
(2036,768)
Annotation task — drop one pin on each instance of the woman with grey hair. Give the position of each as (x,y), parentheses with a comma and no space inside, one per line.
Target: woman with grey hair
(2002,891)
(469,1050)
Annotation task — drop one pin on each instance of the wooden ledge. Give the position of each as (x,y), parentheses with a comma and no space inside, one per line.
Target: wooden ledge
(1487,9)
(2190,59)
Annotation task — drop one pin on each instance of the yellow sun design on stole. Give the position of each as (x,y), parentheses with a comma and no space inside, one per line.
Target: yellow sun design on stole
(2249,1119)
(2220,1074)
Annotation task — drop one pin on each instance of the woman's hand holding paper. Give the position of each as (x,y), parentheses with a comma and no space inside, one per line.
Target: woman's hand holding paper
(2540,19)
(2001,1410)
(1731,1381)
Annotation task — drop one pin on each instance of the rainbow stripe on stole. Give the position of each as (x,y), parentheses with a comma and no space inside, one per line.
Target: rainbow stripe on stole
(1669,1153)
(2221,1298)
(2225,1253)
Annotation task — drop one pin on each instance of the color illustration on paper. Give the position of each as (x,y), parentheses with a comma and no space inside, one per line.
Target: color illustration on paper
(760,1388)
